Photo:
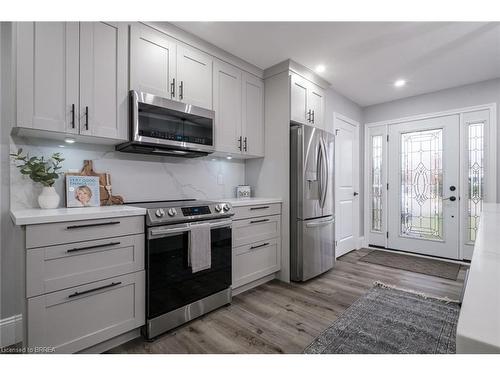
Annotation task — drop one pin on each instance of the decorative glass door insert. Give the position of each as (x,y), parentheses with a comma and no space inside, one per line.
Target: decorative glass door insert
(422,184)
(475,178)
(377,183)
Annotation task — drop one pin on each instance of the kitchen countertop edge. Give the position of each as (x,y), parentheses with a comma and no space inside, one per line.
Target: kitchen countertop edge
(33,216)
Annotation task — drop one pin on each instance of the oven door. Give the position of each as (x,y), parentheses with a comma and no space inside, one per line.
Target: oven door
(158,121)
(170,282)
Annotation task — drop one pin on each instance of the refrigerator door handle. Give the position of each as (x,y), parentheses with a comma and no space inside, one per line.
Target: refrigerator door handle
(324,173)
(319,168)
(320,223)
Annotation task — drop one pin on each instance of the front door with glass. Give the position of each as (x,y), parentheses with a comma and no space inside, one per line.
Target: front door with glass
(423,195)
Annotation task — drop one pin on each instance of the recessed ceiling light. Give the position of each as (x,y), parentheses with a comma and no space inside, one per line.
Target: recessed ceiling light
(229,157)
(62,146)
(320,68)
(400,83)
(69,140)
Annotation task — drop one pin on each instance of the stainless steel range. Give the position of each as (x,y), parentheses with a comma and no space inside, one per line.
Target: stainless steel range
(175,293)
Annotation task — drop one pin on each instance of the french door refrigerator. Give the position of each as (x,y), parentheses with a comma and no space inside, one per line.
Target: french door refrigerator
(312,226)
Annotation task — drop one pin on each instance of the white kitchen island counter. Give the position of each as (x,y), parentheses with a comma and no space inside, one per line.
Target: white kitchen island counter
(57,215)
(478,329)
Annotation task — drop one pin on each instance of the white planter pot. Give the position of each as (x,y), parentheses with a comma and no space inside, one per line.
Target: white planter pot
(49,198)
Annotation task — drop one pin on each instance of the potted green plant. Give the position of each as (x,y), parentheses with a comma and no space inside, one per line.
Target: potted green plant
(43,171)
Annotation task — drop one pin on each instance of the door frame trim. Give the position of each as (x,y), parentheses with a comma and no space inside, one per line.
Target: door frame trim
(492,155)
(356,124)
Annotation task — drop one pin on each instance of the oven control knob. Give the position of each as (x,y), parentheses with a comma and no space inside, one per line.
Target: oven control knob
(225,207)
(172,212)
(218,207)
(160,212)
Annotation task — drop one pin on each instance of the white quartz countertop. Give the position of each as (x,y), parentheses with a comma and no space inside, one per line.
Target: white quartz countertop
(478,329)
(42,216)
(239,202)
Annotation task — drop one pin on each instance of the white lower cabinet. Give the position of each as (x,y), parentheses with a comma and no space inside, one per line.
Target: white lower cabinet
(73,319)
(256,244)
(86,284)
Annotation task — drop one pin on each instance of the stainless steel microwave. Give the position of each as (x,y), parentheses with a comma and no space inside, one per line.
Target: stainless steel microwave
(166,127)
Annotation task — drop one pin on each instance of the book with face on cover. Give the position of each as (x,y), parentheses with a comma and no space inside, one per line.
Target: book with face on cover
(82,191)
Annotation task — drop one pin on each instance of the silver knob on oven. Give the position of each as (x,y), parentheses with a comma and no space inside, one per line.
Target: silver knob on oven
(172,212)
(160,212)
(218,207)
(225,207)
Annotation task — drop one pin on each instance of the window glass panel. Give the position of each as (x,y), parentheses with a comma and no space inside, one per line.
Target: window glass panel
(376,177)
(422,184)
(475,178)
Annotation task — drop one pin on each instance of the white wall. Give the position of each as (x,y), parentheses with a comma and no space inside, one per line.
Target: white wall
(463,96)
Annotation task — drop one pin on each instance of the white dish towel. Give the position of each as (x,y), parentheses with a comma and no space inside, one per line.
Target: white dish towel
(200,254)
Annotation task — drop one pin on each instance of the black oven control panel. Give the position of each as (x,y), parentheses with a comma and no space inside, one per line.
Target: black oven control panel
(194,211)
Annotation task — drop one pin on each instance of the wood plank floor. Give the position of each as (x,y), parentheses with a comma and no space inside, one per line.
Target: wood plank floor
(284,318)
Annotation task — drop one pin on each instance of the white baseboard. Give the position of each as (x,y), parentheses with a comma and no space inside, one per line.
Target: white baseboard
(11,330)
(361,243)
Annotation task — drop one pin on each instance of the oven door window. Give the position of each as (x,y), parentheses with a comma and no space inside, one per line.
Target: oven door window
(170,281)
(171,125)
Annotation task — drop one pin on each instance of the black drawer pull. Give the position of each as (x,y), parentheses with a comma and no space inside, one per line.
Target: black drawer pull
(259,208)
(92,247)
(92,225)
(76,294)
(258,221)
(256,247)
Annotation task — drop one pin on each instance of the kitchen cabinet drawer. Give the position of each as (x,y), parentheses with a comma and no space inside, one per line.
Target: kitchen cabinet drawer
(245,212)
(256,229)
(54,268)
(41,235)
(77,318)
(256,260)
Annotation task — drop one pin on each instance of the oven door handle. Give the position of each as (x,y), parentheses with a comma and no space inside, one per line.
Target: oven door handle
(156,232)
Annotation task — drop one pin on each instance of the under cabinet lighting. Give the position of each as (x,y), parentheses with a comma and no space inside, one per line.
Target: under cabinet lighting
(69,140)
(400,83)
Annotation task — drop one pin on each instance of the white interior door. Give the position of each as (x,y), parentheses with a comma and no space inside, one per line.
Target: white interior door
(346,184)
(423,191)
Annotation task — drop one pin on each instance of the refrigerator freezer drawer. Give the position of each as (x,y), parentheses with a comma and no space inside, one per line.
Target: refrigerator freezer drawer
(313,248)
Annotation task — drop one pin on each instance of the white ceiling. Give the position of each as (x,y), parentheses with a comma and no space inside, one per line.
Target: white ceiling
(363,59)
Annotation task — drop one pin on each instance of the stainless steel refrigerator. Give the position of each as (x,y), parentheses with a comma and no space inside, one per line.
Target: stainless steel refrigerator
(312,217)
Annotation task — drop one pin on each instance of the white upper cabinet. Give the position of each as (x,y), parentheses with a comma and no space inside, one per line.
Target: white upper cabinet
(72,78)
(152,62)
(103,79)
(47,75)
(227,106)
(194,77)
(307,102)
(298,99)
(316,104)
(239,111)
(253,115)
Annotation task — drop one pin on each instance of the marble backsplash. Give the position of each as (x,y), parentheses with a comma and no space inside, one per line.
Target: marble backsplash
(133,176)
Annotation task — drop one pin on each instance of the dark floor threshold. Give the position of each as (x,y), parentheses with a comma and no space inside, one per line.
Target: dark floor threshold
(413,253)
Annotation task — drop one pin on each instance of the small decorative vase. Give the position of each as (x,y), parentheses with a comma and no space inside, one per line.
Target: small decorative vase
(49,198)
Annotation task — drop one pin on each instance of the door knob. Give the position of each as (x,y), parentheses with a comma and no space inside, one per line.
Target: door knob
(356,193)
(452,198)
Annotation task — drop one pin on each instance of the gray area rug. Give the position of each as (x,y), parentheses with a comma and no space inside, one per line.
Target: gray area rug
(390,321)
(426,266)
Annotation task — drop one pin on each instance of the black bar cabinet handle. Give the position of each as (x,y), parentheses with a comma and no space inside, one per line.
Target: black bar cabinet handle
(312,117)
(258,221)
(239,142)
(92,247)
(86,118)
(76,294)
(181,90)
(73,116)
(256,247)
(259,208)
(246,144)
(92,225)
